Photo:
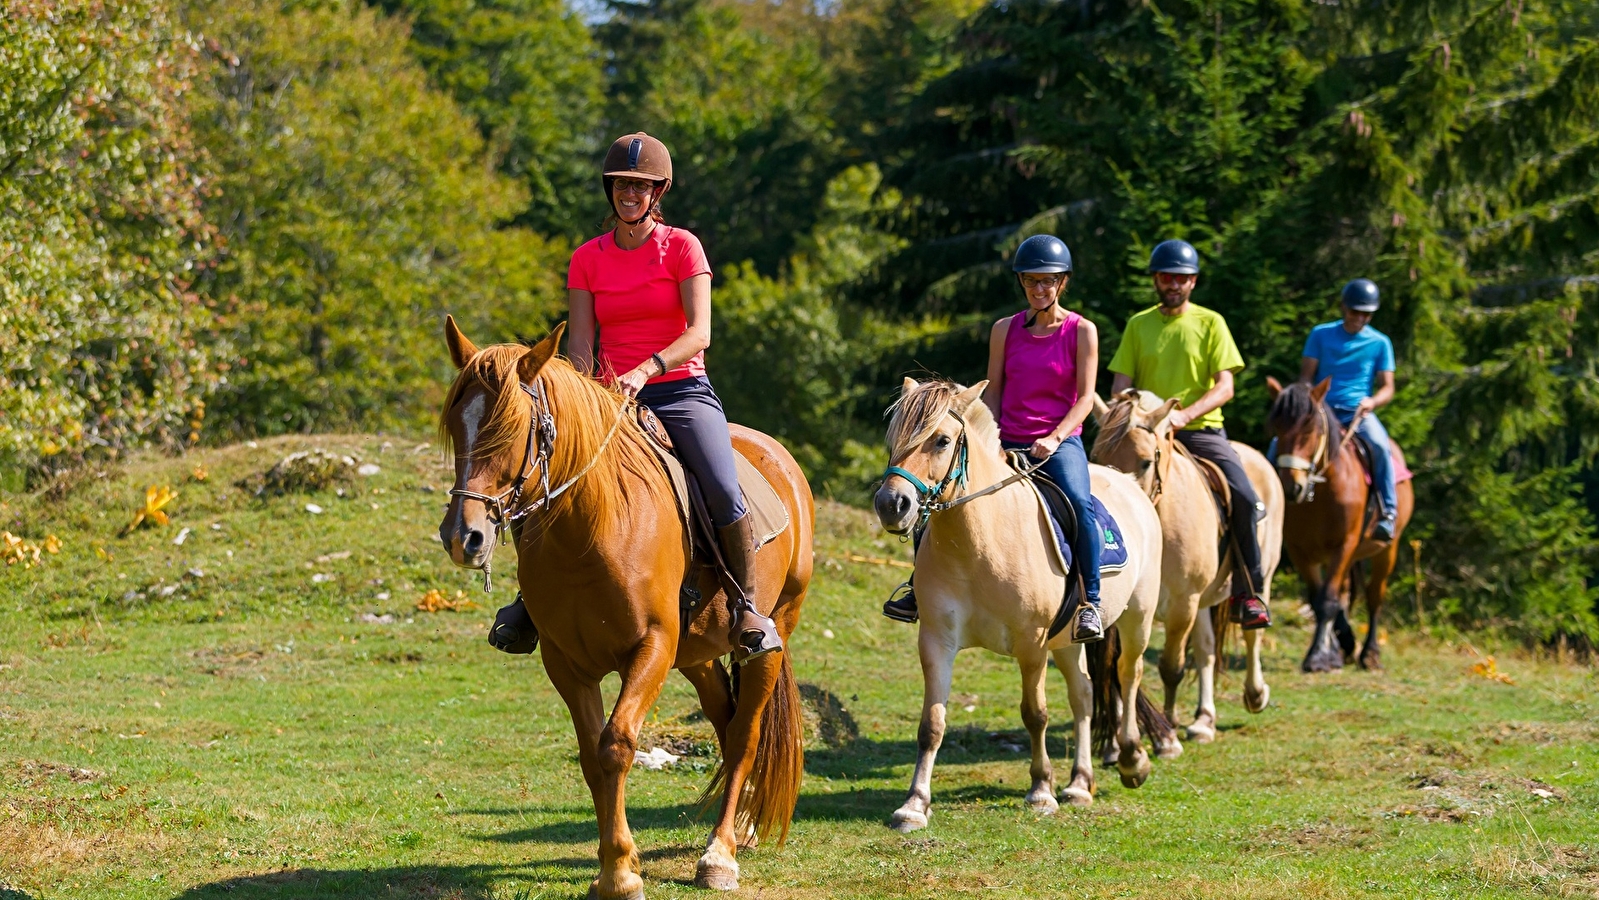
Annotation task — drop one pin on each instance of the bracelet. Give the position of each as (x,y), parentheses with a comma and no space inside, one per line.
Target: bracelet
(660,362)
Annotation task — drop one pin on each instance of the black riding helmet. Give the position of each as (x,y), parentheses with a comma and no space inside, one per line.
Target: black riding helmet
(1041,254)
(1176,257)
(1361,295)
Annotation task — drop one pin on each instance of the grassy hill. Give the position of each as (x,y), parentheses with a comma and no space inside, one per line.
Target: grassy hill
(260,710)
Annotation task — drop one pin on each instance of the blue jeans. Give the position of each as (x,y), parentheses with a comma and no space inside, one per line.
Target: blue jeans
(692,415)
(1067,467)
(1382,463)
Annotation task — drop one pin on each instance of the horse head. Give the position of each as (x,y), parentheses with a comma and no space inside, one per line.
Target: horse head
(1307,435)
(927,449)
(490,423)
(1135,437)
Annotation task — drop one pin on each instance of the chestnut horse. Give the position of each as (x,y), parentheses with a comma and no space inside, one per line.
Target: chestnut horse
(1326,530)
(601,557)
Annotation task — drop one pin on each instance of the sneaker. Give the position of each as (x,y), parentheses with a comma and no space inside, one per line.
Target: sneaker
(1250,613)
(1086,627)
(901,606)
(1384,529)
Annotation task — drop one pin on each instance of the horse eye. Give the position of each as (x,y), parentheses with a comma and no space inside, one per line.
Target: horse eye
(942,442)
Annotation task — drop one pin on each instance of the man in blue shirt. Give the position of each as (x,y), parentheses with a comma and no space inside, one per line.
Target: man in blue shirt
(1360,361)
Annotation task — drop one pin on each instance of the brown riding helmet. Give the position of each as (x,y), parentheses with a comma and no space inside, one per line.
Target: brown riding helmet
(639,156)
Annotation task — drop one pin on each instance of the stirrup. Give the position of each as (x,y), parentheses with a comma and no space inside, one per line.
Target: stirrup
(513,630)
(1250,613)
(1087,627)
(1383,530)
(753,634)
(901,605)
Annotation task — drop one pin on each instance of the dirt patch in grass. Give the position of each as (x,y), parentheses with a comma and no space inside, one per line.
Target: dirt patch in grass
(1314,837)
(1550,869)
(30,772)
(228,662)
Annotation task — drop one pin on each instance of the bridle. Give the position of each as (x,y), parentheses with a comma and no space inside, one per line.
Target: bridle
(1159,485)
(1315,468)
(507,507)
(927,501)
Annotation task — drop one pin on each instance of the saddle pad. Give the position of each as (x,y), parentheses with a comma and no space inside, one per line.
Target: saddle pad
(770,515)
(1396,458)
(1113,550)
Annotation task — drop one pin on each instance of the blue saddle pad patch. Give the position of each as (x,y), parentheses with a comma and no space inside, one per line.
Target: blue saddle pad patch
(1113,550)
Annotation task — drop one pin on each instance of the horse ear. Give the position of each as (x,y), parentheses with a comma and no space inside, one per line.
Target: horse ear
(542,352)
(1320,390)
(1164,410)
(973,394)
(1273,387)
(1130,394)
(1100,409)
(908,386)
(461,349)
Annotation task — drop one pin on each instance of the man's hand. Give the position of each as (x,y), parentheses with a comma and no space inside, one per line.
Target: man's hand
(1179,419)
(634,381)
(1365,406)
(1044,447)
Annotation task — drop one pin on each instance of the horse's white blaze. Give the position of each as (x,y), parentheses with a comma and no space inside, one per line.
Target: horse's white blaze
(472,415)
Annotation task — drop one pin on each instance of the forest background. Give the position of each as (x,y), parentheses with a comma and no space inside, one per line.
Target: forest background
(220,219)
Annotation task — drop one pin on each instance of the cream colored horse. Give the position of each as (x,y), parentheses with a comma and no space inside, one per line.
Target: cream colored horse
(1136,437)
(986,577)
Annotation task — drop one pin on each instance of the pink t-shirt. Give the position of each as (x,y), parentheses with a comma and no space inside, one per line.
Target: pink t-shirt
(637,301)
(1040,379)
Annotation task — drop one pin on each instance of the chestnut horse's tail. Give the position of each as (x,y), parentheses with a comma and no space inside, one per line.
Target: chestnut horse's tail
(773,785)
(1104,673)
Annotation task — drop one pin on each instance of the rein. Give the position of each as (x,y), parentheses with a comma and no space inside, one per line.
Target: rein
(926,495)
(506,507)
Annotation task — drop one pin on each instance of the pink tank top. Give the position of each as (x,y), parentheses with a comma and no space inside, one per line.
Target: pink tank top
(1040,379)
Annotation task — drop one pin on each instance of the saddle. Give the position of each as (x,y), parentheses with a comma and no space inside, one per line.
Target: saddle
(770,516)
(1396,457)
(1063,521)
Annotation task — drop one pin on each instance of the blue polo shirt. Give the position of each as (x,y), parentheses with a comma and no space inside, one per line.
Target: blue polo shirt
(1351,360)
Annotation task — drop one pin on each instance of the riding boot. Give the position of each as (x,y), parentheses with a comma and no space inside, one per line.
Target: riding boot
(752,634)
(513,630)
(1384,529)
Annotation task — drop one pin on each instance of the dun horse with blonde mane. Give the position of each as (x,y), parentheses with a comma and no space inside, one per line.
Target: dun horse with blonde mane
(986,577)
(1136,437)
(601,558)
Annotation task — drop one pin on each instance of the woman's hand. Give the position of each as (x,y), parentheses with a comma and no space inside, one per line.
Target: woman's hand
(1044,447)
(633,382)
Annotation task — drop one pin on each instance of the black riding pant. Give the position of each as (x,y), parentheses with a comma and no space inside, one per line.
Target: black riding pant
(693,417)
(1211,444)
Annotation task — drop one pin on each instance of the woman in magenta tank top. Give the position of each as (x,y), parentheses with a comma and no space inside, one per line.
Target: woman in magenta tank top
(643,289)
(1041,368)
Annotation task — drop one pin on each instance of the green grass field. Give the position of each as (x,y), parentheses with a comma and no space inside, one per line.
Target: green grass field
(214,718)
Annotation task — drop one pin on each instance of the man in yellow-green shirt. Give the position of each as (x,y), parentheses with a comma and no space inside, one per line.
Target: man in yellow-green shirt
(1181,350)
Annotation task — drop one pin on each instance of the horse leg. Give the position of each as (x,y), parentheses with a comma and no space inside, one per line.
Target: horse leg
(1323,655)
(1345,601)
(1071,662)
(938,667)
(1257,693)
(716,696)
(599,748)
(1382,566)
(1203,729)
(1132,763)
(1181,610)
(1035,715)
(718,867)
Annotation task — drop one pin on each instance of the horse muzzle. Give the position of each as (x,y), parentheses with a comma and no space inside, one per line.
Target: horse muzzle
(468,539)
(1297,477)
(895,507)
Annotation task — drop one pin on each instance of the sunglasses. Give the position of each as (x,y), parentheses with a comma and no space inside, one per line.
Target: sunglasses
(1036,281)
(633,185)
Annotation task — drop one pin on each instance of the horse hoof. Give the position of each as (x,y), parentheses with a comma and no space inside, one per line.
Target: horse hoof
(1371,662)
(1201,732)
(906,821)
(1041,801)
(1076,796)
(594,894)
(1134,768)
(1256,702)
(1326,662)
(715,879)
(1170,748)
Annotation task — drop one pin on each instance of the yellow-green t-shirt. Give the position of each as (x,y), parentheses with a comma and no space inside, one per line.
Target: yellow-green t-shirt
(1178,356)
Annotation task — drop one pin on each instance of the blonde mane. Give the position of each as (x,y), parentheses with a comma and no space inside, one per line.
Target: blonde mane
(627,471)
(917,414)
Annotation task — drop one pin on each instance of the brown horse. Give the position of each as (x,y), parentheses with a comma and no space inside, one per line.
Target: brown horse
(601,557)
(1326,530)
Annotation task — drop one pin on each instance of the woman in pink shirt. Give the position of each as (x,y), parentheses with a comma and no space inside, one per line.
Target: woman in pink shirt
(1042,364)
(646,286)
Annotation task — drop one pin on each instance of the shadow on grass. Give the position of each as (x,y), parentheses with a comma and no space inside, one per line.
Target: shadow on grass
(476,882)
